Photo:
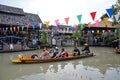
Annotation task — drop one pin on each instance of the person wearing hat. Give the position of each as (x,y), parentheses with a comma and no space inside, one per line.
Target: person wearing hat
(86,49)
(55,52)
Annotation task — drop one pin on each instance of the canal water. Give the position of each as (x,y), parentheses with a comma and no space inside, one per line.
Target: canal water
(104,66)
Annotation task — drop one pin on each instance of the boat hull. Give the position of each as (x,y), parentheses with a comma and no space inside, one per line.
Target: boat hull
(28,59)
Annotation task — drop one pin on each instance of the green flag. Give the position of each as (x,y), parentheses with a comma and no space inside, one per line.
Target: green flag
(79,18)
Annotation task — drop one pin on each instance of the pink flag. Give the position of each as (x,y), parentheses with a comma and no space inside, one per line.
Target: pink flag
(67,20)
(14,29)
(57,22)
(27,26)
(96,22)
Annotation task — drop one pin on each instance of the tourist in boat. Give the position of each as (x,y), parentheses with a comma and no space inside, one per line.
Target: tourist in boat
(62,53)
(86,49)
(76,52)
(45,54)
(35,57)
(55,52)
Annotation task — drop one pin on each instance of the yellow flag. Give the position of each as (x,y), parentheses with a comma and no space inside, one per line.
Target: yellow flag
(98,31)
(47,23)
(106,20)
(11,29)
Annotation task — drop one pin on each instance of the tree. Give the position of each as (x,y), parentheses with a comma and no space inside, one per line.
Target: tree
(116,14)
(44,37)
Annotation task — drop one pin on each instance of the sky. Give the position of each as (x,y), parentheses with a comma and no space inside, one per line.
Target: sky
(51,10)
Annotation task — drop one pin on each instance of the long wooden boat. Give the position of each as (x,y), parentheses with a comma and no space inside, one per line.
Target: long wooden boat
(28,59)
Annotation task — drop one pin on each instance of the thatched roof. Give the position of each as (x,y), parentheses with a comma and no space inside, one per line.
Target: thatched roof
(11,10)
(15,16)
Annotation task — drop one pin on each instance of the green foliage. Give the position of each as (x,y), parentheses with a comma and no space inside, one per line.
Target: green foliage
(44,37)
(109,39)
(116,7)
(75,34)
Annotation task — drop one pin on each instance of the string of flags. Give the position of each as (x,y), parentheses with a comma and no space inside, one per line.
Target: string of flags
(93,15)
(79,17)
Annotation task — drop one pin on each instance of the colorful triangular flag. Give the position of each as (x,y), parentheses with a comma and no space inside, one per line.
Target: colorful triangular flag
(106,21)
(79,18)
(93,14)
(96,22)
(57,22)
(67,20)
(47,23)
(110,12)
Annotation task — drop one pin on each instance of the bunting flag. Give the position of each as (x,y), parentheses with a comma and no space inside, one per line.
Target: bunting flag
(79,18)
(57,22)
(106,21)
(96,22)
(67,20)
(89,24)
(103,31)
(110,12)
(109,30)
(3,29)
(93,14)
(14,29)
(11,29)
(47,24)
(33,26)
(115,31)
(0,29)
(6,28)
(27,26)
(18,28)
(98,31)
(40,24)
(76,27)
(93,31)
(23,28)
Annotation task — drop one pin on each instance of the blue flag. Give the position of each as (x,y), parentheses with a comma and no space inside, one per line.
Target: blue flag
(110,12)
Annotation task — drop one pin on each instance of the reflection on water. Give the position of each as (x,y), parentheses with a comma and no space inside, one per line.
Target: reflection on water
(104,66)
(69,72)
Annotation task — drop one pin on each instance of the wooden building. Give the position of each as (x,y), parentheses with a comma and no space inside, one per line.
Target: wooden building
(18,24)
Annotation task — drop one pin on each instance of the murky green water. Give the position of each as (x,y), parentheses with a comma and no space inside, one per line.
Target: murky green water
(104,66)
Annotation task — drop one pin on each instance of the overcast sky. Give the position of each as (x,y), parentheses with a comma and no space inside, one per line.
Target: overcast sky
(50,10)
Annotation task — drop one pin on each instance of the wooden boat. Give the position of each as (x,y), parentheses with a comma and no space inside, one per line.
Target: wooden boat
(28,59)
(117,51)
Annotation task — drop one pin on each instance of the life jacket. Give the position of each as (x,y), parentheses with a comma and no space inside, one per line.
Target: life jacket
(64,53)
